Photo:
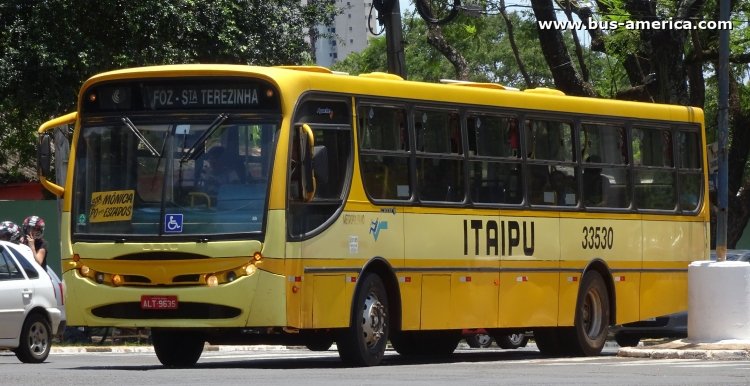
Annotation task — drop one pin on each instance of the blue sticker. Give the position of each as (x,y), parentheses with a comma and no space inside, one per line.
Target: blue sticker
(172,223)
(376,226)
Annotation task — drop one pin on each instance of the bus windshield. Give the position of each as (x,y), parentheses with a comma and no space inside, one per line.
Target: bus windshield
(180,175)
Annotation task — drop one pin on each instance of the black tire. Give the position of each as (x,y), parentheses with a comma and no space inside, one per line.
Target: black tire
(512,341)
(479,340)
(363,342)
(35,341)
(177,348)
(627,340)
(591,323)
(319,343)
(549,341)
(435,344)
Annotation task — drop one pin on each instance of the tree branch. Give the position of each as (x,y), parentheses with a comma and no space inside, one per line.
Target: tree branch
(436,39)
(585,14)
(514,47)
(713,54)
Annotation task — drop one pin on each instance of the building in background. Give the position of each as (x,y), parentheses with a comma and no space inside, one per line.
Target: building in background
(349,32)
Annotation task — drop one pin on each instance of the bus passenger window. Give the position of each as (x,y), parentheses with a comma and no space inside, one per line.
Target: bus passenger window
(384,152)
(514,137)
(595,185)
(494,170)
(439,156)
(561,188)
(690,169)
(538,181)
(654,168)
(492,136)
(605,172)
(551,159)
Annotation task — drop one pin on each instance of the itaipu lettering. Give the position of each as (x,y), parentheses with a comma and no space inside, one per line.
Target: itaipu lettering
(498,238)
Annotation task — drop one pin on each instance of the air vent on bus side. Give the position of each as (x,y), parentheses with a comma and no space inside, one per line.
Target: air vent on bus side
(492,86)
(318,69)
(544,90)
(381,75)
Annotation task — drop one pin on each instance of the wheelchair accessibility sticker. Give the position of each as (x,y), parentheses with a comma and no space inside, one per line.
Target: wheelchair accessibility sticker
(172,223)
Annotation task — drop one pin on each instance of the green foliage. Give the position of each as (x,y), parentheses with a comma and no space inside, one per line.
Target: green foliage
(482,41)
(47,49)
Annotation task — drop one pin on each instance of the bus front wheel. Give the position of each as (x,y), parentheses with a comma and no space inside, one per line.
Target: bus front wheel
(363,342)
(177,348)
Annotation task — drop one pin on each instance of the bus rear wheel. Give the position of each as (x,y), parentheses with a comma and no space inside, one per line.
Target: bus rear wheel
(177,348)
(363,342)
(549,341)
(433,344)
(512,341)
(591,324)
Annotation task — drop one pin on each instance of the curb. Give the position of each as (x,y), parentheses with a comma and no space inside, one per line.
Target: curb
(685,349)
(717,355)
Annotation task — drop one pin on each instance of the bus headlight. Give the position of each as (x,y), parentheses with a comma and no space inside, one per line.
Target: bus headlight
(231,276)
(212,280)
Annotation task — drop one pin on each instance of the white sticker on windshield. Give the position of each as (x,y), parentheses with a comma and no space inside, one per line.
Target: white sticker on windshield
(182,129)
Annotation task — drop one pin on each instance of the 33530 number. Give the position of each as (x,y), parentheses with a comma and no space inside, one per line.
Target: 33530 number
(598,238)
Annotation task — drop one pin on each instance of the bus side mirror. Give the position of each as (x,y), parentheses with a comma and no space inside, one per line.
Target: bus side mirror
(306,153)
(44,152)
(44,155)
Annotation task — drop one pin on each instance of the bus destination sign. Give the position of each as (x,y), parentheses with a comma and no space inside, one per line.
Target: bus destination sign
(187,94)
(159,98)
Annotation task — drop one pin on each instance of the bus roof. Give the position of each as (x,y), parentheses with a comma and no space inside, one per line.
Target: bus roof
(313,78)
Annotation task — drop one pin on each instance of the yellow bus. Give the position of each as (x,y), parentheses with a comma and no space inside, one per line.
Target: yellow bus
(237,204)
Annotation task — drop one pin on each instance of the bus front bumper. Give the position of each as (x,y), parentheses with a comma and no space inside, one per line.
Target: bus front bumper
(250,301)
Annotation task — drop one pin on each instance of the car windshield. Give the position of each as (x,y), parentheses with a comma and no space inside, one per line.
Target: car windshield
(144,176)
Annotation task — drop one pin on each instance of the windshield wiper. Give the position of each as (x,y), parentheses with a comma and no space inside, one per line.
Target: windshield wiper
(140,136)
(197,149)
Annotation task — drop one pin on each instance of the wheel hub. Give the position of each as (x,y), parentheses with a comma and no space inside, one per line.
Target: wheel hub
(373,320)
(592,315)
(38,339)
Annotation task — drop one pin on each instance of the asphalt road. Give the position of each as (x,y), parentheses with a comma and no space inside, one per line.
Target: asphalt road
(280,366)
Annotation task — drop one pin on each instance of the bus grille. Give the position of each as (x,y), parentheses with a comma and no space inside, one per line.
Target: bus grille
(186,310)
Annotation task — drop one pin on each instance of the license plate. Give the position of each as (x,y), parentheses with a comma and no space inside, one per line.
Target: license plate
(156,302)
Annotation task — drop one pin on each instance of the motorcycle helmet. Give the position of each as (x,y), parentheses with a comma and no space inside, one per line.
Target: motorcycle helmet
(34,226)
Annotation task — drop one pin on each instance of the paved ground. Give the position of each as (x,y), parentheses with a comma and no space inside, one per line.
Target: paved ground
(677,349)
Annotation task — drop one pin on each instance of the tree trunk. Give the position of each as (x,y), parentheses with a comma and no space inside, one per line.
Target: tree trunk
(556,54)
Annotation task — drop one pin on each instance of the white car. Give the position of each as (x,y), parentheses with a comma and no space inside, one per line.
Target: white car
(30,312)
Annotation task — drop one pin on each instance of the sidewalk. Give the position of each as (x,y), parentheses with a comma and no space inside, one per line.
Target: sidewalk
(686,349)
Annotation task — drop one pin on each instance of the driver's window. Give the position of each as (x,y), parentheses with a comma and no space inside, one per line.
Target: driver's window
(329,119)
